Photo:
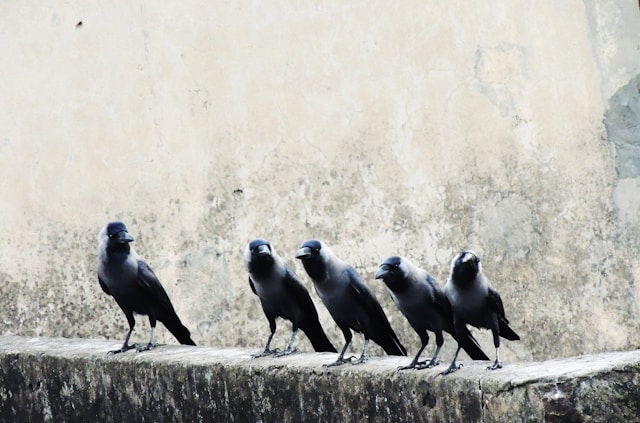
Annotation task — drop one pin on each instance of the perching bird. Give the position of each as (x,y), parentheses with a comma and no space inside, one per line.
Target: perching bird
(476,302)
(131,282)
(422,301)
(349,301)
(282,295)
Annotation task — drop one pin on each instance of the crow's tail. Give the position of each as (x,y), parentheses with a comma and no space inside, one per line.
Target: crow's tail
(505,331)
(177,329)
(471,346)
(317,337)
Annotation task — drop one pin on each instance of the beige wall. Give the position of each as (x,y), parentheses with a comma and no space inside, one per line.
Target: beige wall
(414,128)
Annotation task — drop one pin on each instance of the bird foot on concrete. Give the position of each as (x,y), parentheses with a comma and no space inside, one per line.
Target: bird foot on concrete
(495,365)
(286,351)
(266,353)
(340,361)
(362,359)
(125,348)
(452,368)
(148,347)
(411,365)
(428,365)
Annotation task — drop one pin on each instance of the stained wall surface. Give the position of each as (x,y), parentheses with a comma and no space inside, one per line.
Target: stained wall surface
(415,128)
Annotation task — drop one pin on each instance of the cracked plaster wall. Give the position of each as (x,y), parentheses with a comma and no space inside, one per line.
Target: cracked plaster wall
(417,128)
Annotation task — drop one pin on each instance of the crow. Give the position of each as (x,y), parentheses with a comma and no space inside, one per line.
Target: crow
(475,302)
(131,282)
(282,295)
(422,301)
(349,301)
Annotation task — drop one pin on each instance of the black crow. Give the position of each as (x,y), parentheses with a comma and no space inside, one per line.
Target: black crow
(475,302)
(349,300)
(422,301)
(131,282)
(282,295)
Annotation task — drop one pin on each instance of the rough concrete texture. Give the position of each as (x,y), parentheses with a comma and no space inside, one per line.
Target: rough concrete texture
(415,128)
(56,380)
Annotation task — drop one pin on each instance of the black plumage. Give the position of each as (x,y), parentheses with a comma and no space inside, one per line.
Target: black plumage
(423,302)
(136,289)
(349,300)
(282,295)
(476,302)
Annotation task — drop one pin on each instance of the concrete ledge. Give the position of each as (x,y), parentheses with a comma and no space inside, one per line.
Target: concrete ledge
(54,379)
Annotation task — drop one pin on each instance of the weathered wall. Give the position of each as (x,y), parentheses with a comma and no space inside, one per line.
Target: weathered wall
(59,380)
(414,128)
